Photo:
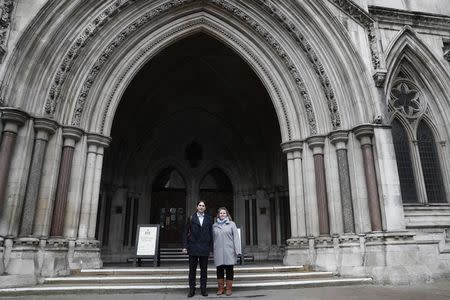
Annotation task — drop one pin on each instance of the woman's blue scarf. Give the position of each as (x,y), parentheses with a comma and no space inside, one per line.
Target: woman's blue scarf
(219,221)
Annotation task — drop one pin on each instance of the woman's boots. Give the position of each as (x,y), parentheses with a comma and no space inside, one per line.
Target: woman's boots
(220,283)
(229,287)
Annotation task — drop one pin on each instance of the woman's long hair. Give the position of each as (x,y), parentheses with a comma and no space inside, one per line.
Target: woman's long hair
(225,209)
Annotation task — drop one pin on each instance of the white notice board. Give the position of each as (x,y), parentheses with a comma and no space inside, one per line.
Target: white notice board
(147,240)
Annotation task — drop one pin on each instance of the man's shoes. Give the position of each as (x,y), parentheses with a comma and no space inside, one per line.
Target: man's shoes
(191,293)
(204,293)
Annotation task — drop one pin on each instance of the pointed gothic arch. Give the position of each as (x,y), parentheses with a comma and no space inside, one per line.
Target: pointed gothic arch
(408,52)
(304,88)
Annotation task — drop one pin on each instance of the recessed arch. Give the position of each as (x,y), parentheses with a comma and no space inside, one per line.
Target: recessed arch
(304,80)
(280,89)
(408,53)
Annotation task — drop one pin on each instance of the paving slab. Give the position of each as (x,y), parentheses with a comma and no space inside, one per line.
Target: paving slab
(438,290)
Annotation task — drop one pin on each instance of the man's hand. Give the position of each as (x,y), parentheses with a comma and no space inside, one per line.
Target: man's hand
(184,251)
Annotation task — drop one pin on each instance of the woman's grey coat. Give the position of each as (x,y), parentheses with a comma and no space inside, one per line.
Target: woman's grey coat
(227,244)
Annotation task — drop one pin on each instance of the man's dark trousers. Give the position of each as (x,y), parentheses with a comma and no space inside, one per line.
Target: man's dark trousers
(193,261)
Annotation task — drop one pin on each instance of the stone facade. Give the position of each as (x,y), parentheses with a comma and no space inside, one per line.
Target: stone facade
(127,112)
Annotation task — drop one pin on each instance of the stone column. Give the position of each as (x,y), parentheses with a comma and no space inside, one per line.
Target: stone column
(339,139)
(89,206)
(13,119)
(2,251)
(389,180)
(71,136)
(364,134)
(44,128)
(86,253)
(316,144)
(422,196)
(103,142)
(293,150)
(87,190)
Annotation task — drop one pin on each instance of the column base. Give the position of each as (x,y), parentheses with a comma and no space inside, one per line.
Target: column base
(325,253)
(2,252)
(387,257)
(395,258)
(350,260)
(54,257)
(23,257)
(86,255)
(298,252)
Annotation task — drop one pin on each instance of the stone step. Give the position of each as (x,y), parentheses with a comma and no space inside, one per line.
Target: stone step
(183,270)
(243,277)
(136,288)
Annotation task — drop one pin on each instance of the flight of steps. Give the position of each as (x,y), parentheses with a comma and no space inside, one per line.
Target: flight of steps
(167,279)
(175,255)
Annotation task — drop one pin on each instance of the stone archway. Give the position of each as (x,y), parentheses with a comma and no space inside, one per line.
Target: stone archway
(89,77)
(194,107)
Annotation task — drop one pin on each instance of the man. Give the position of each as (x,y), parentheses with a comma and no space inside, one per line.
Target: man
(197,242)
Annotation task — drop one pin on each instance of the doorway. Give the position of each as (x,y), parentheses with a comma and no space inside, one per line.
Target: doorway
(168,206)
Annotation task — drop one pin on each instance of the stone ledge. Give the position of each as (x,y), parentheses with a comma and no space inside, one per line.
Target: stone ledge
(7,281)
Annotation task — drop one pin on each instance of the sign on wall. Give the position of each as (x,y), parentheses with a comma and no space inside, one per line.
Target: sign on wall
(147,241)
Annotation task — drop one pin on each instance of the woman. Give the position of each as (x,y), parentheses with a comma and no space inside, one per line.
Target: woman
(227,246)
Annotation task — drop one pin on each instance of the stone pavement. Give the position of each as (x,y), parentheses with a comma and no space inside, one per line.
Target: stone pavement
(436,291)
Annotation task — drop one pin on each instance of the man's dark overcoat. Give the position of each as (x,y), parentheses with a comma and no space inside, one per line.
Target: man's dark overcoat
(198,240)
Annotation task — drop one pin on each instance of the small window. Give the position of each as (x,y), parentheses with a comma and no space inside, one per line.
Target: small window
(404,163)
(430,164)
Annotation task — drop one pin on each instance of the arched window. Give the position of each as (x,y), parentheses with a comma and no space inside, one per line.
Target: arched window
(430,164)
(404,163)
(419,169)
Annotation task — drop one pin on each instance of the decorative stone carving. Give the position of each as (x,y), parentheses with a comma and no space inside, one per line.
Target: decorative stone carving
(323,242)
(292,146)
(373,42)
(379,77)
(311,118)
(406,99)
(361,16)
(79,43)
(6,9)
(422,19)
(446,49)
(87,244)
(160,10)
(109,50)
(389,237)
(312,56)
(56,244)
(298,243)
(354,11)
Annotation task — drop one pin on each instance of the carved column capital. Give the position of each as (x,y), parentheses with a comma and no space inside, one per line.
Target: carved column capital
(339,138)
(364,133)
(316,144)
(44,128)
(13,118)
(71,135)
(291,146)
(98,140)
